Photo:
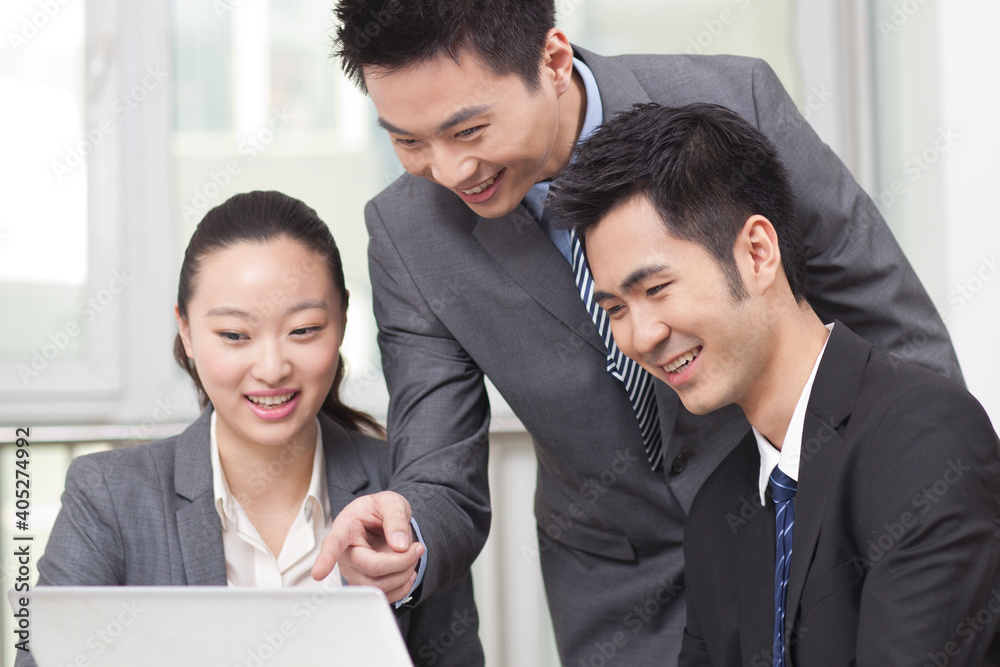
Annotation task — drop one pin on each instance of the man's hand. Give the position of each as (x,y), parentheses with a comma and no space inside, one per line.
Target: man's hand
(375,544)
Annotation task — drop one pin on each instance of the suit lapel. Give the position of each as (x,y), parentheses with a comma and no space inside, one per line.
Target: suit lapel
(519,245)
(198,524)
(345,473)
(830,403)
(754,548)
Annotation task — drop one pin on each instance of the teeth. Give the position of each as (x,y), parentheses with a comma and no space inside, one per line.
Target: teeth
(271,401)
(682,361)
(479,188)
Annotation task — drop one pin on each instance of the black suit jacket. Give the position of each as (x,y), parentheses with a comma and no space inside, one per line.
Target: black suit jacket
(896,548)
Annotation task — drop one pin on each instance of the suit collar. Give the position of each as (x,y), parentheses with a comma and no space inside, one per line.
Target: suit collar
(619,87)
(192,462)
(198,526)
(839,376)
(345,473)
(830,404)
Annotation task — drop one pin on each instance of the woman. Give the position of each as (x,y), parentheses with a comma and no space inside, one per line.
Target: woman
(245,495)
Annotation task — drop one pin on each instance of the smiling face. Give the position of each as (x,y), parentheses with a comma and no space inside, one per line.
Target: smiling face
(672,309)
(486,137)
(264,328)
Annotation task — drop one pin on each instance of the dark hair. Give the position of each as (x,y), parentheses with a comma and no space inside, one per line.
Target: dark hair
(703,168)
(259,217)
(508,36)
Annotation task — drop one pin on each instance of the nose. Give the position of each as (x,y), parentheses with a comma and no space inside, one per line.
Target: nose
(272,365)
(648,331)
(452,167)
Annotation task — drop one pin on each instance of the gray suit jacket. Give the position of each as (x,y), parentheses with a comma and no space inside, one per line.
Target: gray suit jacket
(145,516)
(457,297)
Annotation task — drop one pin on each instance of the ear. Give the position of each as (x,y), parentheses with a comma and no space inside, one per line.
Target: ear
(557,60)
(758,253)
(185,331)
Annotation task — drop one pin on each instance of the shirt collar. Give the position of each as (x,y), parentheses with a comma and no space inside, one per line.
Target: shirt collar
(789,456)
(317,498)
(535,199)
(595,110)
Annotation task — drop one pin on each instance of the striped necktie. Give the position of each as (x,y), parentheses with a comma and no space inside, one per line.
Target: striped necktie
(638,383)
(782,492)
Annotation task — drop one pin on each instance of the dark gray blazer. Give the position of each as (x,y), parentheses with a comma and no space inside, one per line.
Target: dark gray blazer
(458,297)
(145,516)
(896,553)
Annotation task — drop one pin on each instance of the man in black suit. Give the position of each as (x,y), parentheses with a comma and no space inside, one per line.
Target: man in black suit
(859,521)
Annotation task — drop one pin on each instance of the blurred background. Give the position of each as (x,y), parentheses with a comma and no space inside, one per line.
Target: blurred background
(125,122)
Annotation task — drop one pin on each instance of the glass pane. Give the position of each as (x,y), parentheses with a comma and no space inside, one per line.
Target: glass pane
(260,105)
(43,179)
(736,27)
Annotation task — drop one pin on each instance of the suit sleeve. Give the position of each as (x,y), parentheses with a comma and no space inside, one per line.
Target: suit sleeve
(444,629)
(931,592)
(438,419)
(84,548)
(856,271)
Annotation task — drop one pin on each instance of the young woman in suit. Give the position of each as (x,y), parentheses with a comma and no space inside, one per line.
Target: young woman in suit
(246,494)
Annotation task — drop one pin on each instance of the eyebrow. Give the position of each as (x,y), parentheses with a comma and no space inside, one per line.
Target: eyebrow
(306,304)
(389,127)
(631,279)
(460,116)
(463,115)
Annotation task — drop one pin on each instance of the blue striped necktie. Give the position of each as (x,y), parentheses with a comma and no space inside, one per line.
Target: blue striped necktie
(782,492)
(638,383)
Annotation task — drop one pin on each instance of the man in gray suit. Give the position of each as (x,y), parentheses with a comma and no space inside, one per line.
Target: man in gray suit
(483,103)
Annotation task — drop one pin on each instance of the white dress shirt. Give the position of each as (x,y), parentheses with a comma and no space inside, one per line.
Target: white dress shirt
(788,458)
(249,562)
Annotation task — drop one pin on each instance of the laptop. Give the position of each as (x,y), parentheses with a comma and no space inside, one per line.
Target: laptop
(195,626)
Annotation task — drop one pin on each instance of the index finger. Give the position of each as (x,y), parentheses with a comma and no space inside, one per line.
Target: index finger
(333,547)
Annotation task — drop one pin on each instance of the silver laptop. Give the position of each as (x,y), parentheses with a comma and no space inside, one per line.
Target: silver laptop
(193,626)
